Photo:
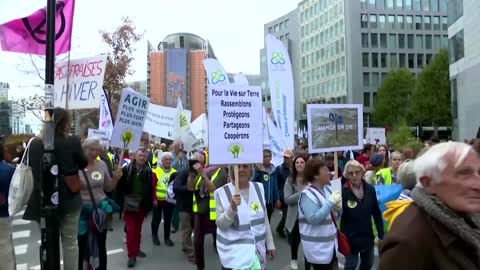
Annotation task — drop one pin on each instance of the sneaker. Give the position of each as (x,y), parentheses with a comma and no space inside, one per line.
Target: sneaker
(294,264)
(131,262)
(142,254)
(169,242)
(155,240)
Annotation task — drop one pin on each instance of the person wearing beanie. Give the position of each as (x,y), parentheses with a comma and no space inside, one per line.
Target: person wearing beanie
(376,163)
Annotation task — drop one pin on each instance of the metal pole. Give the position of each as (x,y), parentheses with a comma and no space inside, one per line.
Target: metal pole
(49,222)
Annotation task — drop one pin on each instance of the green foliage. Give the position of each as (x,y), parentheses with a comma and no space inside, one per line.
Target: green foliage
(431,102)
(393,98)
(401,136)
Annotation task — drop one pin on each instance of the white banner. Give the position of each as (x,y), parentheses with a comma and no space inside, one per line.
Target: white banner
(131,115)
(182,129)
(103,135)
(376,136)
(235,124)
(105,121)
(240,79)
(161,121)
(281,88)
(216,74)
(85,83)
(277,144)
(266,136)
(199,128)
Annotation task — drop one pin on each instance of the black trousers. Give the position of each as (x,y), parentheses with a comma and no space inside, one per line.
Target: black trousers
(333,265)
(270,209)
(281,224)
(102,246)
(294,240)
(167,211)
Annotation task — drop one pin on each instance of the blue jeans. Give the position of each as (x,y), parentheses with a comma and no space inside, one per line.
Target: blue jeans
(367,257)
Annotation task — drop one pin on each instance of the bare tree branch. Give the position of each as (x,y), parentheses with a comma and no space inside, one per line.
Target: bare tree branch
(36,68)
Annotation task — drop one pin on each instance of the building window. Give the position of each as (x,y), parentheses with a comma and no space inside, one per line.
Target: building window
(393,60)
(286,23)
(410,41)
(426,5)
(337,47)
(434,5)
(276,28)
(342,44)
(364,20)
(444,41)
(373,21)
(428,23)
(375,60)
(399,4)
(411,61)
(443,5)
(375,80)
(445,23)
(436,23)
(429,59)
(366,80)
(381,4)
(270,30)
(419,60)
(419,42)
(400,22)
(391,21)
(392,41)
(453,84)
(390,4)
(287,35)
(383,41)
(428,42)
(182,42)
(418,22)
(374,98)
(401,41)
(402,60)
(437,42)
(342,63)
(383,60)
(281,26)
(363,3)
(409,20)
(408,4)
(456,47)
(365,60)
(372,3)
(381,21)
(416,5)
(374,40)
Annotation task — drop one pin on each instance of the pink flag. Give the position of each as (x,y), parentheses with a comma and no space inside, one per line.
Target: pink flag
(29,34)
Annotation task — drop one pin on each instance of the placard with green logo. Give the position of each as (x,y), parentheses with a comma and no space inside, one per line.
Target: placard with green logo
(235,132)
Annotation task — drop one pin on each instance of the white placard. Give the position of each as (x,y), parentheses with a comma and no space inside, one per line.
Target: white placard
(161,121)
(85,83)
(131,115)
(103,135)
(376,136)
(235,124)
(199,128)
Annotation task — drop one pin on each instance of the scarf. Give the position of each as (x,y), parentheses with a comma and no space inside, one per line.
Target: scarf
(468,231)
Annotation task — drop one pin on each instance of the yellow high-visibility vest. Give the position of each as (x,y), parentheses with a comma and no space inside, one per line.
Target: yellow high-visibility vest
(110,157)
(162,182)
(212,203)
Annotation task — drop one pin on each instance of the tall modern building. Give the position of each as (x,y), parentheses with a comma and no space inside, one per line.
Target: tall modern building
(348,47)
(464,46)
(140,86)
(285,28)
(5,109)
(176,70)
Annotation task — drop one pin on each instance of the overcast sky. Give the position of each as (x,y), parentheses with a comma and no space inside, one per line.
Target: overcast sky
(233,27)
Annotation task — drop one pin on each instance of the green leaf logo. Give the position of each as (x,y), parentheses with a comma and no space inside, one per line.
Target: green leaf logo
(236,150)
(127,138)
(183,120)
(255,207)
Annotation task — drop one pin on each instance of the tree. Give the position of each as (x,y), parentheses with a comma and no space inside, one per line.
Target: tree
(431,102)
(401,136)
(121,43)
(34,105)
(393,97)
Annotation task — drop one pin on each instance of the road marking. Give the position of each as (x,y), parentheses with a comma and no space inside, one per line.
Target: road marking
(115,251)
(20,222)
(21,234)
(21,249)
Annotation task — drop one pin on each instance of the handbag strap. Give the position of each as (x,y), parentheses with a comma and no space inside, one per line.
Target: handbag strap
(331,212)
(89,187)
(26,152)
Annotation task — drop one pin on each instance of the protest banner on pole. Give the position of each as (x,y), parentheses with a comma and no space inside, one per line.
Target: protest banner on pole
(376,136)
(199,128)
(105,121)
(235,124)
(334,127)
(84,80)
(103,135)
(160,121)
(131,115)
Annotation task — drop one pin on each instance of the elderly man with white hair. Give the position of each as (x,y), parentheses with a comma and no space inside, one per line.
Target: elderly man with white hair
(440,229)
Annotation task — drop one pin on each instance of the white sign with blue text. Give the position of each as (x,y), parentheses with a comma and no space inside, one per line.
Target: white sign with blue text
(79,83)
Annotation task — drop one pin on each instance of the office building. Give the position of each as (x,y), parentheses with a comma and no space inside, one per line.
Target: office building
(5,109)
(139,86)
(464,47)
(348,47)
(176,69)
(253,80)
(286,29)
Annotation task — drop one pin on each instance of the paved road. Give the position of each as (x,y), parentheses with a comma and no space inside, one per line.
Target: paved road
(26,239)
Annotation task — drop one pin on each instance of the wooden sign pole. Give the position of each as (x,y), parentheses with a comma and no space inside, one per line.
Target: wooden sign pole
(237,183)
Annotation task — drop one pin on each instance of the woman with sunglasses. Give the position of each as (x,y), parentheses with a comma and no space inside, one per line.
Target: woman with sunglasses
(243,231)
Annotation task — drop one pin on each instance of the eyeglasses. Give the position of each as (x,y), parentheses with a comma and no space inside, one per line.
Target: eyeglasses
(354,173)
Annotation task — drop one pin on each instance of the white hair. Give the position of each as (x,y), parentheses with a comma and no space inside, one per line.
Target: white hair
(167,155)
(91,141)
(355,164)
(436,159)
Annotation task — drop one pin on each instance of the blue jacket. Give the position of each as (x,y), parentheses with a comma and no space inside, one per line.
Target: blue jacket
(6,173)
(270,185)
